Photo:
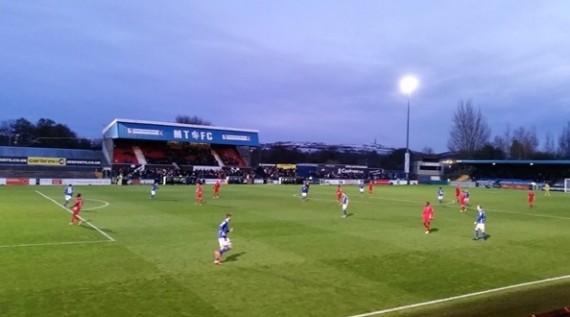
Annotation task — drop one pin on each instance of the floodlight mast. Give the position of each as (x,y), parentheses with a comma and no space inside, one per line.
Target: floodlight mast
(407,85)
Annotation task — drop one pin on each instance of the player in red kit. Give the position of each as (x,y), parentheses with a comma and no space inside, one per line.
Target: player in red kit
(217,189)
(530,199)
(370,187)
(462,202)
(457,193)
(339,194)
(76,209)
(199,194)
(428,216)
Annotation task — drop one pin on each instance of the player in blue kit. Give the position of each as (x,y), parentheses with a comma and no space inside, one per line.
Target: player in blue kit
(344,203)
(225,243)
(67,194)
(480,224)
(440,195)
(361,186)
(304,192)
(153,189)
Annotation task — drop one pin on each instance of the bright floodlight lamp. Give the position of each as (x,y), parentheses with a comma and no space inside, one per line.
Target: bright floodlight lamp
(408,84)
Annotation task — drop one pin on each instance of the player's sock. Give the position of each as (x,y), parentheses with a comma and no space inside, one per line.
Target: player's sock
(483,236)
(476,235)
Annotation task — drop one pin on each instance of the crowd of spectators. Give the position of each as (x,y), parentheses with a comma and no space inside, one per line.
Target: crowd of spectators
(176,174)
(182,175)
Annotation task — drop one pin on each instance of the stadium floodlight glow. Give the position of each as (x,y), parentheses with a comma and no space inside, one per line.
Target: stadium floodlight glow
(407,85)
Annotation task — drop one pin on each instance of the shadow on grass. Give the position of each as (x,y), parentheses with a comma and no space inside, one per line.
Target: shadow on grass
(432,230)
(234,257)
(487,237)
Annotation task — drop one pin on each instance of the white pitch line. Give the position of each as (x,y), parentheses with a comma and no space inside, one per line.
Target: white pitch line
(82,219)
(105,204)
(448,299)
(51,243)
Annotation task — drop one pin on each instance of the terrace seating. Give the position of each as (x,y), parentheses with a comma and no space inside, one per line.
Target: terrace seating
(124,155)
(230,156)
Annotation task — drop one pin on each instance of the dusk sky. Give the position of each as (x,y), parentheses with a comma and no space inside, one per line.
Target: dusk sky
(296,70)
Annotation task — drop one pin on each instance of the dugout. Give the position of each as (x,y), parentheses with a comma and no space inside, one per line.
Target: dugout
(176,146)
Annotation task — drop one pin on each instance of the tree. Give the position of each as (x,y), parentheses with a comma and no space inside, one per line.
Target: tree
(6,133)
(45,133)
(51,134)
(25,130)
(504,142)
(564,142)
(517,150)
(524,143)
(469,132)
(191,120)
(489,152)
(549,147)
(427,150)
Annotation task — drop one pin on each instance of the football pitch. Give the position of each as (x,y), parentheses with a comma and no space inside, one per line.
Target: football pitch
(141,257)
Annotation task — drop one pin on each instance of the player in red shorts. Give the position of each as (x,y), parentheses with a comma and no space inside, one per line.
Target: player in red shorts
(462,202)
(428,216)
(339,194)
(76,209)
(199,193)
(217,189)
(370,187)
(530,199)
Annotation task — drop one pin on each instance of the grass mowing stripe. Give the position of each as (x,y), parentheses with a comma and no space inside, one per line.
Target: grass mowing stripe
(448,299)
(51,243)
(528,214)
(82,219)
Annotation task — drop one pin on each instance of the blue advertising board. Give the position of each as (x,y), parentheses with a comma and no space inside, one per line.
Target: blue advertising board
(148,130)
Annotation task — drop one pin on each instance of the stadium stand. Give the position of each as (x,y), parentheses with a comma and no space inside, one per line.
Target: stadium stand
(48,162)
(463,178)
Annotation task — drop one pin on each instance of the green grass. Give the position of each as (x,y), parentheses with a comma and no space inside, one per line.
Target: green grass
(290,258)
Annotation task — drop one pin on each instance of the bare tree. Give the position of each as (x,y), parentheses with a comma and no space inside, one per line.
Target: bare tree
(428,150)
(564,142)
(191,120)
(524,144)
(470,131)
(549,147)
(6,132)
(504,141)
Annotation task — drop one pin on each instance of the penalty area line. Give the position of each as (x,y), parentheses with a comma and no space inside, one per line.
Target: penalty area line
(82,219)
(449,299)
(52,243)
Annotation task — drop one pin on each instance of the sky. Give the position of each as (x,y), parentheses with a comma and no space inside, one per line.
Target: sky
(296,70)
